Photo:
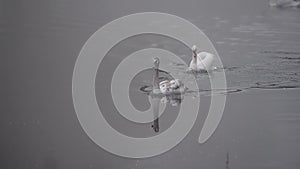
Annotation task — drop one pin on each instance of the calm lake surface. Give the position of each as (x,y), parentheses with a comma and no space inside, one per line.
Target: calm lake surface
(259,48)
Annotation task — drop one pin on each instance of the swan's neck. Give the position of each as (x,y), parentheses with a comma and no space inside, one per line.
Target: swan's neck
(195,60)
(155,78)
(195,54)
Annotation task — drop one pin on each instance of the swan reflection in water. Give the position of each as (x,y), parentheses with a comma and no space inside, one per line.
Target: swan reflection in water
(166,91)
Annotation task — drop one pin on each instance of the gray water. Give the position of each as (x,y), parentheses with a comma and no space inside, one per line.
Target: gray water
(259,48)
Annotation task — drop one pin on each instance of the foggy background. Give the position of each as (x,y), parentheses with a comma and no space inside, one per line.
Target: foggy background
(259,48)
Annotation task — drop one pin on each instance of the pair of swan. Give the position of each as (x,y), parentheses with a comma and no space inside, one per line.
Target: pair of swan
(201,61)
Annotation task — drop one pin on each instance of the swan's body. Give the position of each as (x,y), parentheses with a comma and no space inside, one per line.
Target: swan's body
(171,87)
(201,61)
(169,91)
(165,87)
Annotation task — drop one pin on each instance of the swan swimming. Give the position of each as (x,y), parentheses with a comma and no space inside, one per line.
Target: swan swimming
(172,91)
(174,86)
(201,61)
(165,87)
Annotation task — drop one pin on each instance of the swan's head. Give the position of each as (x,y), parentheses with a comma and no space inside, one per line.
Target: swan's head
(164,86)
(194,49)
(156,62)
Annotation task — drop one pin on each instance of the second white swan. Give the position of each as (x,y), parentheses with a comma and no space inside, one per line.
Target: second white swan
(201,61)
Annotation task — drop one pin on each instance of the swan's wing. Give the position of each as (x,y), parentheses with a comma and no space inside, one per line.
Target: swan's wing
(204,56)
(205,60)
(201,56)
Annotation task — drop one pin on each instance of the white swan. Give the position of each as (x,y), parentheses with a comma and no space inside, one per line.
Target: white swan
(172,87)
(201,61)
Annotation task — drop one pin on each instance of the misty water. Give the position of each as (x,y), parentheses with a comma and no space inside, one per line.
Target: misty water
(259,48)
